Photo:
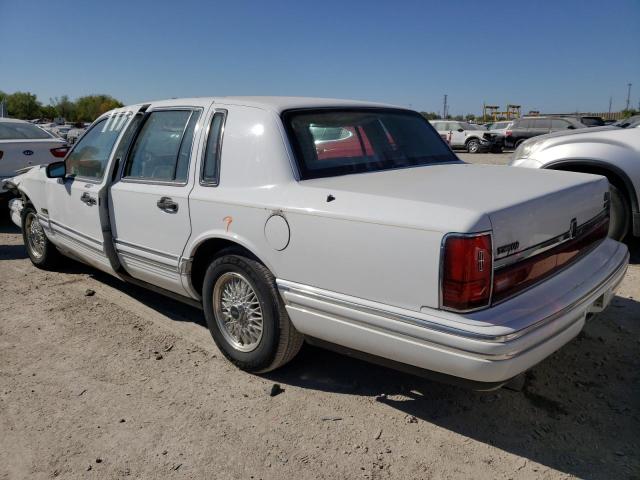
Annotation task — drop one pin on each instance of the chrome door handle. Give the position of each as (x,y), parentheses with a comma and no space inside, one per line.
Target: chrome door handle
(88,199)
(167,204)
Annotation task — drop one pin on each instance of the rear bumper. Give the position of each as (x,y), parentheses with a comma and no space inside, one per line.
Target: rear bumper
(490,346)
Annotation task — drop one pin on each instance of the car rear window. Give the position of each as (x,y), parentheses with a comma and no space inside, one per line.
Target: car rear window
(21,131)
(592,121)
(330,142)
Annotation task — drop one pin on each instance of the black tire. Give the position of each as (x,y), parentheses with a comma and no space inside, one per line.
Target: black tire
(620,218)
(519,142)
(473,145)
(47,257)
(279,341)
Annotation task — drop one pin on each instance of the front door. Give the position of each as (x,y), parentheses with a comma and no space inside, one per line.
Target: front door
(457,138)
(150,202)
(73,201)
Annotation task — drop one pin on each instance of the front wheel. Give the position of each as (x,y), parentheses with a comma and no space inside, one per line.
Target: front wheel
(42,253)
(473,145)
(246,316)
(619,220)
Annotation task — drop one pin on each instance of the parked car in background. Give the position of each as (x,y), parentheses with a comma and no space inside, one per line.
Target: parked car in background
(76,132)
(463,135)
(500,129)
(389,247)
(23,144)
(631,122)
(61,131)
(591,120)
(527,127)
(608,151)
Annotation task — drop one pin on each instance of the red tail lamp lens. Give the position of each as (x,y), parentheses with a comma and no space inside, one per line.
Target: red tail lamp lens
(466,273)
(59,152)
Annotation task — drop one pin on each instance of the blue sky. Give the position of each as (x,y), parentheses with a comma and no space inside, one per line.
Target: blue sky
(555,55)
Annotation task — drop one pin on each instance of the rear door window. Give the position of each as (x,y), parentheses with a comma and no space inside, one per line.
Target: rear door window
(559,124)
(211,163)
(542,123)
(162,150)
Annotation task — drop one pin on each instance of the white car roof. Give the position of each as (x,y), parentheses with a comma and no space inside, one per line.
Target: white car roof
(277,104)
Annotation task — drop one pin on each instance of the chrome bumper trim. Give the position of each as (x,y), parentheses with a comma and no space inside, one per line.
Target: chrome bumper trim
(322,295)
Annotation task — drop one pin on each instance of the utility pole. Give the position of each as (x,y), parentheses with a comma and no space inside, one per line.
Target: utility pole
(445,113)
(610,102)
(628,95)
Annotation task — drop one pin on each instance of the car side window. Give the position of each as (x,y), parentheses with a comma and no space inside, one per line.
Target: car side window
(162,150)
(543,123)
(559,124)
(211,162)
(89,157)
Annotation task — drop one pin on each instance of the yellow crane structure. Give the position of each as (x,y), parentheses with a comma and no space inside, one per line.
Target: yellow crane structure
(493,111)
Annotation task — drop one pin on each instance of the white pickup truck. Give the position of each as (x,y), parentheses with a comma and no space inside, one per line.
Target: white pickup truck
(350,224)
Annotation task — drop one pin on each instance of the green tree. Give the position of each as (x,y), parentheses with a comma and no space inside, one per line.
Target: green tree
(90,107)
(49,111)
(629,112)
(24,105)
(64,107)
(430,115)
(469,117)
(459,118)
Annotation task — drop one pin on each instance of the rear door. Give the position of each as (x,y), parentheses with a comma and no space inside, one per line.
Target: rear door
(540,126)
(74,214)
(149,203)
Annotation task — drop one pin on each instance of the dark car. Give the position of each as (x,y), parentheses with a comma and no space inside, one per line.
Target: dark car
(527,127)
(592,120)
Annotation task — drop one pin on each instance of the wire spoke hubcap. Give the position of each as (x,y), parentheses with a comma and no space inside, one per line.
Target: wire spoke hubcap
(238,311)
(35,235)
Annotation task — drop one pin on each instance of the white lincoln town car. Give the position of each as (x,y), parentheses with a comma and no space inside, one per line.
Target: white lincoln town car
(349,224)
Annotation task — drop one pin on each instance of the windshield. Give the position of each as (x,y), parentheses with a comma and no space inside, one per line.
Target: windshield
(21,131)
(330,142)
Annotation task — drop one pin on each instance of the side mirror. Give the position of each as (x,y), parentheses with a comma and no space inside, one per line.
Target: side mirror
(461,130)
(56,170)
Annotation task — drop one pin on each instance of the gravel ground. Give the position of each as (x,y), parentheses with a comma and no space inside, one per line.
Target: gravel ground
(99,379)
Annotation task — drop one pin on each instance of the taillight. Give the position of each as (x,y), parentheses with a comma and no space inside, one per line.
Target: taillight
(507,133)
(467,266)
(59,152)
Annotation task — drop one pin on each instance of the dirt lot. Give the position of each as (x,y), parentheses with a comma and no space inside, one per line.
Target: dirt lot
(125,383)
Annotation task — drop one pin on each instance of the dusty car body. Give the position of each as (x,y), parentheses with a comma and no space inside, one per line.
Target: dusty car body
(397,251)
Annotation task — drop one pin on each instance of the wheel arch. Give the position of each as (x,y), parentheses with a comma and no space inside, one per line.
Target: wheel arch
(207,248)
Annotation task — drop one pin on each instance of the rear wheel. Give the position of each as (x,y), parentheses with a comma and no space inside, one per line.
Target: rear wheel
(620,219)
(246,316)
(42,253)
(473,145)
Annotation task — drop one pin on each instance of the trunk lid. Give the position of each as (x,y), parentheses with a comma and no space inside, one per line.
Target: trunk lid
(17,154)
(524,207)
